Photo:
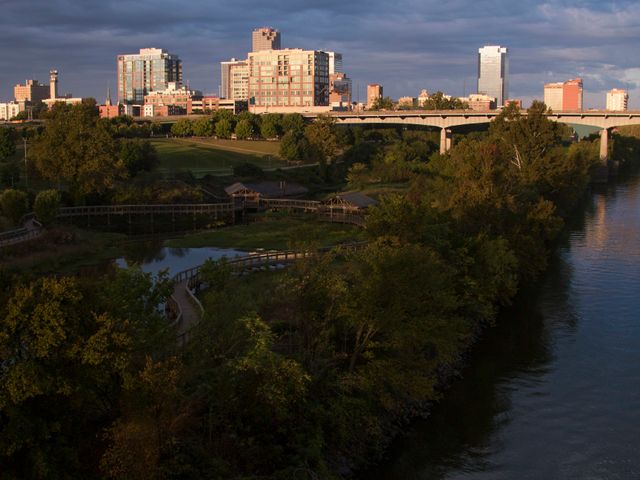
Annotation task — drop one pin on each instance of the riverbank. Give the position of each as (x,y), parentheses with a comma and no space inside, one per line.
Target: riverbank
(550,391)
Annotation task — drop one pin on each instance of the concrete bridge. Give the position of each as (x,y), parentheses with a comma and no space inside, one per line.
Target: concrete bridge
(447,120)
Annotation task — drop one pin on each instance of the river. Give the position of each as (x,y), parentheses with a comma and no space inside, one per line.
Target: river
(553,391)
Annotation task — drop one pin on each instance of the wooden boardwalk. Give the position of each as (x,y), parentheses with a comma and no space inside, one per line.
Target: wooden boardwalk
(188,309)
(30,230)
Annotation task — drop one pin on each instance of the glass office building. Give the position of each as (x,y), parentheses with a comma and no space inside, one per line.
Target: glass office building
(493,72)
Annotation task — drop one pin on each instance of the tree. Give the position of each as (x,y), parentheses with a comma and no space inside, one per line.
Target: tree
(14,204)
(244,130)
(77,149)
(382,103)
(46,206)
(271,126)
(293,122)
(203,127)
(223,128)
(294,146)
(7,143)
(138,155)
(182,128)
(322,139)
(438,101)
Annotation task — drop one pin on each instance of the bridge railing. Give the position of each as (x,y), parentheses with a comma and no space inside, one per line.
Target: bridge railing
(192,208)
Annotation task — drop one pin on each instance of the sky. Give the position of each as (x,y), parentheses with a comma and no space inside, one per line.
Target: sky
(406,45)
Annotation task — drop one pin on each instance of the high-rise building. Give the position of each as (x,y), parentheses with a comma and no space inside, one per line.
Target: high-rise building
(617,100)
(553,96)
(493,72)
(265,38)
(335,63)
(572,95)
(281,79)
(32,91)
(141,73)
(374,92)
(564,96)
(234,79)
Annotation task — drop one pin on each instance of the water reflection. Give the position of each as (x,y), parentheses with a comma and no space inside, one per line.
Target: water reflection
(153,257)
(553,390)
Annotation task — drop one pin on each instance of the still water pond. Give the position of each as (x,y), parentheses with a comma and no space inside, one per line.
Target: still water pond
(152,257)
(553,392)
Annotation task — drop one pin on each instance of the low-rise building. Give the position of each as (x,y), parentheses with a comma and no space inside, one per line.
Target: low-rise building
(340,91)
(68,100)
(10,110)
(406,102)
(152,110)
(423,97)
(251,193)
(479,102)
(350,202)
(173,96)
(515,101)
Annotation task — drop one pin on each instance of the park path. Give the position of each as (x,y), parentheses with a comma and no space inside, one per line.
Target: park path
(31,229)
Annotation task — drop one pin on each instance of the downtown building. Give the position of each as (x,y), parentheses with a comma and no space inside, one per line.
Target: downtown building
(234,79)
(564,96)
(149,70)
(617,100)
(493,72)
(265,38)
(32,91)
(374,92)
(288,80)
(174,100)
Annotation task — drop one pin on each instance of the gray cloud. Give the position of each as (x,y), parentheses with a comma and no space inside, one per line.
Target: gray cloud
(405,45)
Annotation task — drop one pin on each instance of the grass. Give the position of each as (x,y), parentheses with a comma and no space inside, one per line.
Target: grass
(214,157)
(272,233)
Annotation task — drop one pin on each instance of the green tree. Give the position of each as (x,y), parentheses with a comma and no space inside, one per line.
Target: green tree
(46,206)
(14,204)
(271,126)
(76,149)
(203,127)
(294,146)
(138,155)
(7,143)
(182,128)
(322,139)
(223,128)
(244,130)
(438,101)
(293,122)
(382,103)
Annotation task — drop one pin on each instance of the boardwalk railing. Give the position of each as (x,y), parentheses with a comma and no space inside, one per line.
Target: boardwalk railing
(176,209)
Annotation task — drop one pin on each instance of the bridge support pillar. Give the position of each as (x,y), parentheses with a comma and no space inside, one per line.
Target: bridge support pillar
(604,145)
(446,140)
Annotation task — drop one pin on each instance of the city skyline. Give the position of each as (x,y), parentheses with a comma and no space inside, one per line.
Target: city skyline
(406,47)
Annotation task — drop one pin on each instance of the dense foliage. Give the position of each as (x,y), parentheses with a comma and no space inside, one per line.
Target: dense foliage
(305,373)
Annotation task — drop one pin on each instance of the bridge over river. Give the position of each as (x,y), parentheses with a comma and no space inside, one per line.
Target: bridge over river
(447,120)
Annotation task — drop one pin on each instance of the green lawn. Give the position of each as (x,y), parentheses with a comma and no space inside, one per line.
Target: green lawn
(214,157)
(272,233)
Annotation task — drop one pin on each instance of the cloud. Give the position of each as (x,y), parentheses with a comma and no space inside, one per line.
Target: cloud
(405,45)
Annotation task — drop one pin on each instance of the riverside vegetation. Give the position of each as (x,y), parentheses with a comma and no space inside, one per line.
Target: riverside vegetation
(304,373)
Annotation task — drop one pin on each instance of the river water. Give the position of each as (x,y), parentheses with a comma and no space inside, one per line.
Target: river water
(552,392)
